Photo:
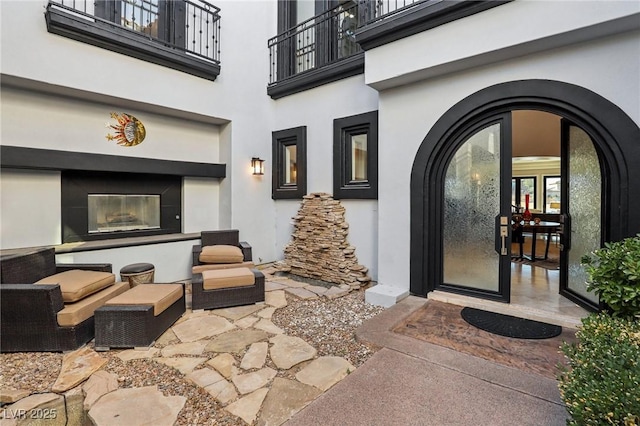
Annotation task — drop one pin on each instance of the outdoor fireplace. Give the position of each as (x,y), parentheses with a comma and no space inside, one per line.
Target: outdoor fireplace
(123,212)
(98,206)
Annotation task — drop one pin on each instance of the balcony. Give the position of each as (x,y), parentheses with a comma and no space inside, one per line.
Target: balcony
(329,46)
(182,34)
(323,48)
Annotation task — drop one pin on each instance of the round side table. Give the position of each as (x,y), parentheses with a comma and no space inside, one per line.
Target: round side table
(137,273)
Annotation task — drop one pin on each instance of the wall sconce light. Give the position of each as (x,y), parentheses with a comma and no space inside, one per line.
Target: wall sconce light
(475,177)
(257,166)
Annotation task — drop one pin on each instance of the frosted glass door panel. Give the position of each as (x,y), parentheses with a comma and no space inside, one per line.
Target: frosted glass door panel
(472,201)
(585,182)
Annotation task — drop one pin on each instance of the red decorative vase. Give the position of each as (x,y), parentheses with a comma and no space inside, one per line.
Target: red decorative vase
(526,216)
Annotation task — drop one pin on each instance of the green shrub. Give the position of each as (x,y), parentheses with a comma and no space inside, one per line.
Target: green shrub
(614,275)
(601,385)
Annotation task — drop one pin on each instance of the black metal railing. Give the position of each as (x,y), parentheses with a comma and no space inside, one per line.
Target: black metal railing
(318,41)
(191,26)
(380,9)
(326,38)
(203,29)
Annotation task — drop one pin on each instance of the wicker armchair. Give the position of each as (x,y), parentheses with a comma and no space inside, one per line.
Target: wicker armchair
(224,297)
(225,237)
(28,312)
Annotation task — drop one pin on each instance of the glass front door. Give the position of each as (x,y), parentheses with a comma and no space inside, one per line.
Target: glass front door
(477,199)
(583,204)
(477,194)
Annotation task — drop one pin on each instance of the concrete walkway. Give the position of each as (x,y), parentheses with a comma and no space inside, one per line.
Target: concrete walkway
(410,382)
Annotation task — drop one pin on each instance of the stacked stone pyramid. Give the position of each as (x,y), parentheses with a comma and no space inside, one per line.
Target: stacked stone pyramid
(319,248)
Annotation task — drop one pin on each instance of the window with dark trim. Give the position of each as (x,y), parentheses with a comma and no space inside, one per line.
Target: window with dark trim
(289,163)
(522,185)
(355,156)
(552,191)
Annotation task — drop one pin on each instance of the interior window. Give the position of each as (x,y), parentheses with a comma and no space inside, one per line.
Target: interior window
(290,172)
(552,194)
(520,187)
(359,157)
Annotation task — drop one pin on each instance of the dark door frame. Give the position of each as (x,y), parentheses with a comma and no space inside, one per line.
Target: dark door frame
(614,134)
(503,293)
(566,218)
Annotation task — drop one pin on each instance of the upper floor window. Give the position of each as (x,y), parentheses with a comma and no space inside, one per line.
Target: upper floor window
(144,16)
(355,156)
(180,34)
(316,44)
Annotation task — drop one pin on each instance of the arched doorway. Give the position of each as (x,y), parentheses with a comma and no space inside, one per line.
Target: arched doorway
(487,115)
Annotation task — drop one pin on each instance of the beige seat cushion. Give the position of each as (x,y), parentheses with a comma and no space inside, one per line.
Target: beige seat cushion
(198,269)
(225,278)
(161,296)
(77,284)
(75,313)
(221,254)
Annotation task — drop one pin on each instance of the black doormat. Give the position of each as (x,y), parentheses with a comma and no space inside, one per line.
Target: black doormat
(506,325)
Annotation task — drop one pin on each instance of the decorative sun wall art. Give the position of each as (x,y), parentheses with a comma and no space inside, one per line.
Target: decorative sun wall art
(128,132)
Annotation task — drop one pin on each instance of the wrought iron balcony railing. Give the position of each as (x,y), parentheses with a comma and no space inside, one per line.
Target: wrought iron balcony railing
(380,9)
(326,38)
(189,26)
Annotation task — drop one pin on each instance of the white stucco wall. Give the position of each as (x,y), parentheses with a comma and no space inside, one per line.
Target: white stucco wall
(171,260)
(362,217)
(497,35)
(200,204)
(246,26)
(230,120)
(30,52)
(609,66)
(316,109)
(187,118)
(38,120)
(29,208)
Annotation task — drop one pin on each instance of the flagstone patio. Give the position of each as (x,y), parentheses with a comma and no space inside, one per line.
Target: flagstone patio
(238,356)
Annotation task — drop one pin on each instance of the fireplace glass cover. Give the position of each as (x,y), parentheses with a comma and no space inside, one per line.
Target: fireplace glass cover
(115,212)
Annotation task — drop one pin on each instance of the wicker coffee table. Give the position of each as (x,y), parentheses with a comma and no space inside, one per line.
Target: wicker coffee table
(137,317)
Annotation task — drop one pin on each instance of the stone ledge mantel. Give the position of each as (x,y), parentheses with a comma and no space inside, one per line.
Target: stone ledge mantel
(111,244)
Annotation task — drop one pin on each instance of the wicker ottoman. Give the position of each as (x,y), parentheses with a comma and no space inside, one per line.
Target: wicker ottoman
(225,288)
(137,317)
(137,273)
